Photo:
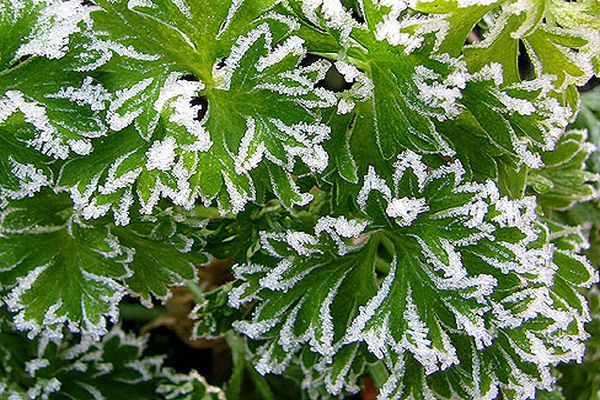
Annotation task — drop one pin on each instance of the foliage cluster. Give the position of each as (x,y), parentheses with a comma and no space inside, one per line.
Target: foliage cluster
(398,184)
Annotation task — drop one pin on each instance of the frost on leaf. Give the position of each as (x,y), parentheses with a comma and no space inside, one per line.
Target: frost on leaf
(589,119)
(43,242)
(212,315)
(22,171)
(219,101)
(192,386)
(59,124)
(104,181)
(271,118)
(62,108)
(466,266)
(417,92)
(520,119)
(560,37)
(38,28)
(167,252)
(82,369)
(408,94)
(136,111)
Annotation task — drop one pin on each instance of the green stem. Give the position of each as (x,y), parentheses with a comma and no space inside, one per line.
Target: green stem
(207,212)
(379,373)
(138,312)
(195,291)
(234,385)
(16,66)
(261,384)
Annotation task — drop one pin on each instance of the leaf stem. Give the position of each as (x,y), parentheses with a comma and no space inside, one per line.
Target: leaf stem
(138,312)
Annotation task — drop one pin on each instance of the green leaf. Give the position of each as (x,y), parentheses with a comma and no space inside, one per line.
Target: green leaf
(63,111)
(114,367)
(409,95)
(384,175)
(560,37)
(520,119)
(398,90)
(192,386)
(213,317)
(37,28)
(262,106)
(22,171)
(62,106)
(103,181)
(410,92)
(589,118)
(462,19)
(564,180)
(167,252)
(41,244)
(465,265)
(580,381)
(473,148)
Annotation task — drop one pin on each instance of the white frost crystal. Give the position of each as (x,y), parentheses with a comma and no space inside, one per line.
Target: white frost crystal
(56,23)
(161,154)
(401,28)
(90,93)
(178,95)
(31,180)
(405,210)
(47,139)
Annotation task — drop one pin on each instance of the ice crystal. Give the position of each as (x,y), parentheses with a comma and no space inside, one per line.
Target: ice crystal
(55,24)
